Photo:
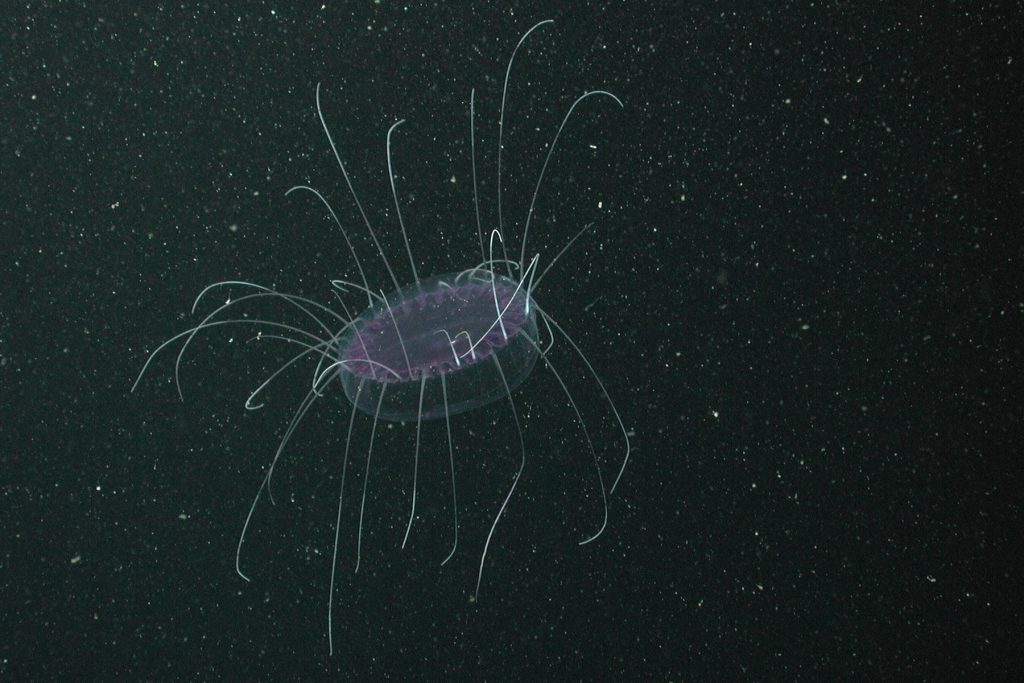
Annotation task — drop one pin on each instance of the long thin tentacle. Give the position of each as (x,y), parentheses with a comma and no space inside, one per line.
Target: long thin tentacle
(501,120)
(303,408)
(472,155)
(292,298)
(398,209)
(590,445)
(220,309)
(511,490)
(366,477)
(416,461)
(536,283)
(547,160)
(337,222)
(319,348)
(351,189)
(217,323)
(607,396)
(451,462)
(337,521)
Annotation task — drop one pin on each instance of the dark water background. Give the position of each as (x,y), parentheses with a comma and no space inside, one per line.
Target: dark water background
(800,290)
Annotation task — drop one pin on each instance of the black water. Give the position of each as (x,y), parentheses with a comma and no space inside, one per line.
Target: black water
(800,291)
